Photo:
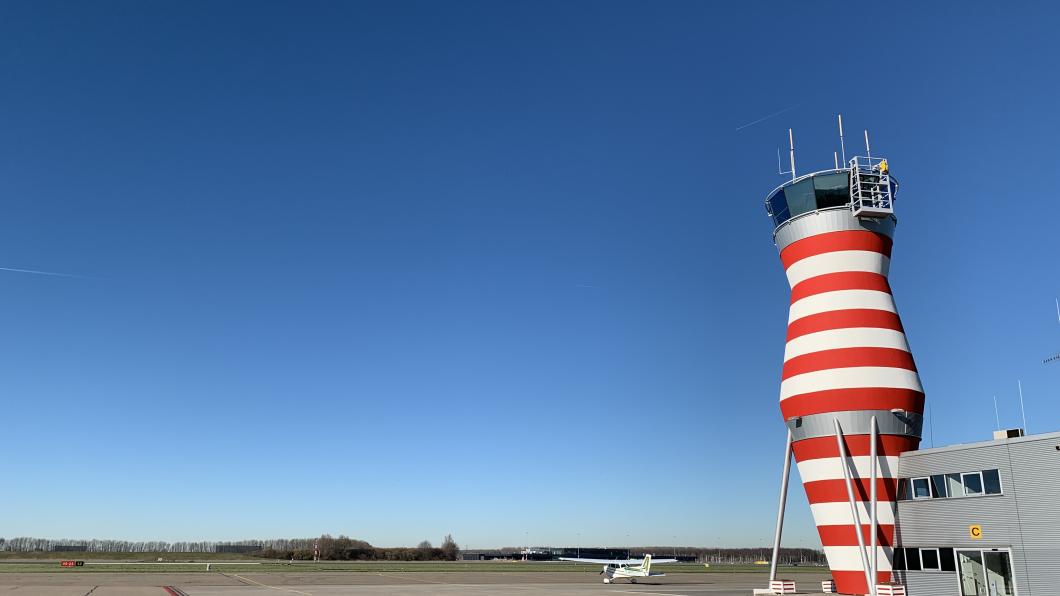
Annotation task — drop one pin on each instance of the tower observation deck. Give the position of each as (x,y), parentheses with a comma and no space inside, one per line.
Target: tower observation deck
(849,393)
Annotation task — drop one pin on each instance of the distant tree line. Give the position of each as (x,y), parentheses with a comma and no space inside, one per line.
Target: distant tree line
(325,548)
(344,548)
(30,544)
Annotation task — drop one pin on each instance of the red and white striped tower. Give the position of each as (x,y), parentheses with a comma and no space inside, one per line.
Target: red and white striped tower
(847,364)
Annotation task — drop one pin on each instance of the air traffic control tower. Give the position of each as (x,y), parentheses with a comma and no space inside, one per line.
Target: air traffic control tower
(849,393)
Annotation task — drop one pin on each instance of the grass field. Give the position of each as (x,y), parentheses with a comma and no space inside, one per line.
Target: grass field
(145,562)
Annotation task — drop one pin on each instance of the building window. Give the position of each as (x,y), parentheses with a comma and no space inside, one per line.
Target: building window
(938,486)
(992,482)
(941,486)
(898,562)
(973,483)
(912,559)
(924,559)
(921,488)
(801,197)
(954,486)
(929,559)
(946,560)
(903,490)
(832,190)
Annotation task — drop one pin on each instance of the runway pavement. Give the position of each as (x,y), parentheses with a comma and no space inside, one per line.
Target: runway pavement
(381,584)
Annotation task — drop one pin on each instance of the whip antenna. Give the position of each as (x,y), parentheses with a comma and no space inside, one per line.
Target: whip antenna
(842,145)
(791,152)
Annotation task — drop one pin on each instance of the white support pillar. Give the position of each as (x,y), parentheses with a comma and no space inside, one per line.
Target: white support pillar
(874,437)
(780,508)
(853,504)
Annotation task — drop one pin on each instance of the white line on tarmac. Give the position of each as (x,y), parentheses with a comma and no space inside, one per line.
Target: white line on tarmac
(391,575)
(271,587)
(415,579)
(639,592)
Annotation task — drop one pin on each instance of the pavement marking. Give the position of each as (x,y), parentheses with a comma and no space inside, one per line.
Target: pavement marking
(268,586)
(412,578)
(390,575)
(639,592)
(415,579)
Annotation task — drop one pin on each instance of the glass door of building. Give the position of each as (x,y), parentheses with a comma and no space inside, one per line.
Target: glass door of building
(971,573)
(998,573)
(985,573)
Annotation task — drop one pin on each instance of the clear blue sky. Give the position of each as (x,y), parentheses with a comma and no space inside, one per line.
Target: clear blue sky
(499,269)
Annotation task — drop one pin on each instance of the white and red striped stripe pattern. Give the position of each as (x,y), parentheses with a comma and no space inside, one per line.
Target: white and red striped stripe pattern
(782,586)
(846,351)
(890,589)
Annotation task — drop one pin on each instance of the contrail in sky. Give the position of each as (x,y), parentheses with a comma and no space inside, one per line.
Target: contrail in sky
(50,273)
(764,118)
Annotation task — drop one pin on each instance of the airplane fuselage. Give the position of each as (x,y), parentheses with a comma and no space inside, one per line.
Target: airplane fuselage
(630,572)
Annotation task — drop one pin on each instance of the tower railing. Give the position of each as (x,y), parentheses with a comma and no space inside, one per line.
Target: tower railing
(870,187)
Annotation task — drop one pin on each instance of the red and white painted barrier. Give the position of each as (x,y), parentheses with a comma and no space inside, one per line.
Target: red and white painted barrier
(782,586)
(890,589)
(828,587)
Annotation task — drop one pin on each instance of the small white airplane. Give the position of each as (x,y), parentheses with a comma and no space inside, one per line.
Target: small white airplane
(629,569)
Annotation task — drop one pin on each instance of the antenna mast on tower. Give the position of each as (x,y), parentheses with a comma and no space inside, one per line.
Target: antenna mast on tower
(842,145)
(791,152)
(1054,357)
(791,157)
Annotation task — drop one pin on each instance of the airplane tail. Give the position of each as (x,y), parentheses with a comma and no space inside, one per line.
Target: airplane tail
(647,563)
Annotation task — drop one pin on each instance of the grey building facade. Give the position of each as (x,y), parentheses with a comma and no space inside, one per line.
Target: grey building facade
(980,519)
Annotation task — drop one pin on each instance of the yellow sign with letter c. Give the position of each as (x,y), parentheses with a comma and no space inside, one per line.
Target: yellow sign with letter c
(975,531)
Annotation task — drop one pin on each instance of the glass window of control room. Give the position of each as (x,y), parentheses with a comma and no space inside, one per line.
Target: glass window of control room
(800,197)
(823,191)
(832,190)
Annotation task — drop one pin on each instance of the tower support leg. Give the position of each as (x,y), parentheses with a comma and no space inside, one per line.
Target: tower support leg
(874,437)
(780,508)
(853,504)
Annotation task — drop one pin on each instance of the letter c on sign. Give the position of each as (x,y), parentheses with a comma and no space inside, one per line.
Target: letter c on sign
(975,531)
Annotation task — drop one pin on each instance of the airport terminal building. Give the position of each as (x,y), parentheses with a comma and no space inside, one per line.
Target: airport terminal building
(981,519)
